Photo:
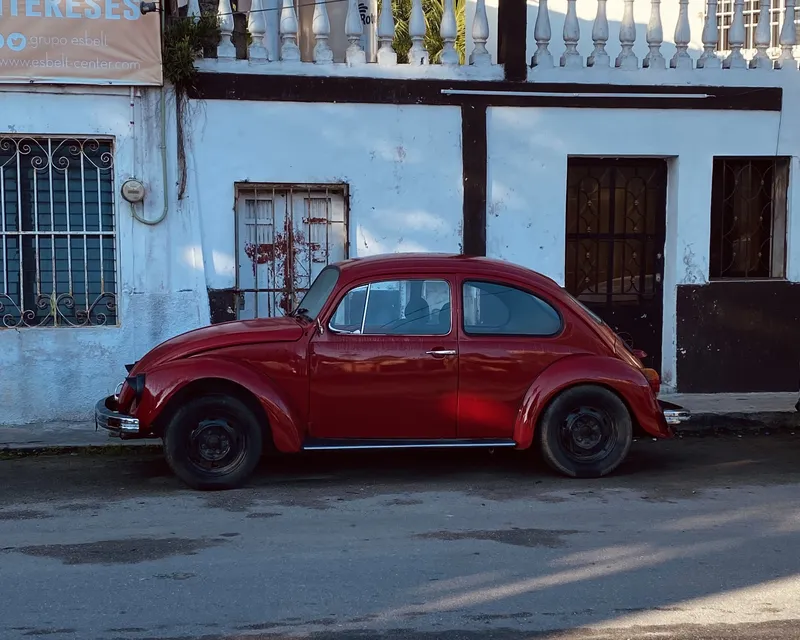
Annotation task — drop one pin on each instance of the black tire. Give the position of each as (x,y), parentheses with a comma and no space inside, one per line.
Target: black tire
(213,442)
(585,432)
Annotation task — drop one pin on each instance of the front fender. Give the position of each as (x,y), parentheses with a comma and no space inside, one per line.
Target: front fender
(570,371)
(165,381)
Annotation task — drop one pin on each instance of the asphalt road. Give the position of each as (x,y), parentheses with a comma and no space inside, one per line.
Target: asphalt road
(692,539)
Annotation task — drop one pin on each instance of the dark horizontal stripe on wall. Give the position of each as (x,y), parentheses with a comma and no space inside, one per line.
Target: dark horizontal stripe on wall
(245,86)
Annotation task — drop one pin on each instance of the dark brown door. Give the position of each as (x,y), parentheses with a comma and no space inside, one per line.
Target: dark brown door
(616,213)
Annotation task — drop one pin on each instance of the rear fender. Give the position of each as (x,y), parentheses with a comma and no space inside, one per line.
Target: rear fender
(165,381)
(629,383)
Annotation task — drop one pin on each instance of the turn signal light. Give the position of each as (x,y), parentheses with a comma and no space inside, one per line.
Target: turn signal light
(653,379)
(136,383)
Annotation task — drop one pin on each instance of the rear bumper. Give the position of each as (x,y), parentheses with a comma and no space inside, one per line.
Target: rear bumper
(107,417)
(673,413)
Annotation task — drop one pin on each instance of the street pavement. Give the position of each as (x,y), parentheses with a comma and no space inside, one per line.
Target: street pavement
(695,538)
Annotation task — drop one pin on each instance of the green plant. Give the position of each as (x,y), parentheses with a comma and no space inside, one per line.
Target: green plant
(183,42)
(433,10)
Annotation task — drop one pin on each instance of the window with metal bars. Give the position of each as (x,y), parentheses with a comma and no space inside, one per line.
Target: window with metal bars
(748,218)
(57,232)
(751,9)
(285,236)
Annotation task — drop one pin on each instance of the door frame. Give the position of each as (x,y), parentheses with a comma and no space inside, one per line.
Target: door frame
(657,238)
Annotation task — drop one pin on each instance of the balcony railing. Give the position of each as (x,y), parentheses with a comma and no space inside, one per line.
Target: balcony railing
(280,52)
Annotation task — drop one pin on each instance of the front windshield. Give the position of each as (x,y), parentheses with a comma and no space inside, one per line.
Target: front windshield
(320,290)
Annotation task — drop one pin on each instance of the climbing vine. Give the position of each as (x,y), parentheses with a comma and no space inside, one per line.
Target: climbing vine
(185,39)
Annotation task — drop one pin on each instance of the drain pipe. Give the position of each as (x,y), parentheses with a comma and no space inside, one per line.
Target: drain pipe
(164,178)
(162,149)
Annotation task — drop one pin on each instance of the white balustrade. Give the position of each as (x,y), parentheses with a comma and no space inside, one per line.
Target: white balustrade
(627,37)
(225,48)
(655,38)
(261,47)
(709,59)
(386,54)
(480,56)
(448,30)
(418,54)
(788,39)
(354,29)
(542,33)
(762,37)
(321,28)
(257,28)
(572,33)
(683,35)
(290,52)
(736,34)
(599,57)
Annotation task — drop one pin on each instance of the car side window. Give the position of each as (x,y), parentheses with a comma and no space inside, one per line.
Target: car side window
(496,309)
(395,307)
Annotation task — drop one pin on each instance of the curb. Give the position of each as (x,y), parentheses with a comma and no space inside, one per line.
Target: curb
(23,449)
(755,423)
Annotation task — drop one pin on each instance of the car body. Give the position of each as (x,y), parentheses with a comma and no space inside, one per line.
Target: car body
(401,350)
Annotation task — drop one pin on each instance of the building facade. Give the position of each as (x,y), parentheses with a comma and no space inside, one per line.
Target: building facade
(653,177)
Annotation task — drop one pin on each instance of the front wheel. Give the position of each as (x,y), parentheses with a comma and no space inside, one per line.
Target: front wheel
(586,432)
(213,442)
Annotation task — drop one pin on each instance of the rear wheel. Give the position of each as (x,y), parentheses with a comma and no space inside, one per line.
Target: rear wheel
(586,432)
(213,442)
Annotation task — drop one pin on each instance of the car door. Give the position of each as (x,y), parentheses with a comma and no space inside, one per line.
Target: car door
(509,334)
(386,364)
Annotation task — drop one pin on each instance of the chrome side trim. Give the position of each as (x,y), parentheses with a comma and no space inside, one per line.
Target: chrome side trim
(343,445)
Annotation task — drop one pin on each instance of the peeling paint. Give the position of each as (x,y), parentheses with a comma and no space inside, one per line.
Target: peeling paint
(692,273)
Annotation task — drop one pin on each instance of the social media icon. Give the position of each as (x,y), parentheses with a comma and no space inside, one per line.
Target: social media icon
(16,41)
(2,41)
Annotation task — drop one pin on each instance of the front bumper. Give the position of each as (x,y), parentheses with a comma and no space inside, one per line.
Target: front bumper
(673,413)
(107,417)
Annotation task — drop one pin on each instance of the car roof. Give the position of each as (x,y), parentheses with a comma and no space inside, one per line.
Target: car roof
(397,263)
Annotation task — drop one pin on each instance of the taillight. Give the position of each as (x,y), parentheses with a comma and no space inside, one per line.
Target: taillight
(653,379)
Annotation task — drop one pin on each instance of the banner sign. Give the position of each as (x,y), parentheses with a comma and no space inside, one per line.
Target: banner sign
(79,42)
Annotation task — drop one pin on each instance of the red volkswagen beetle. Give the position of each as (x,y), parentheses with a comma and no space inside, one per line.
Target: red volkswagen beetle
(397,351)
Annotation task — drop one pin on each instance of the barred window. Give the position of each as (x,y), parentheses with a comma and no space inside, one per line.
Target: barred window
(750,13)
(57,233)
(748,218)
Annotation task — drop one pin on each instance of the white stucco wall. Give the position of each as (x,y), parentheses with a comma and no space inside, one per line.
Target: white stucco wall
(402,165)
(527,176)
(59,373)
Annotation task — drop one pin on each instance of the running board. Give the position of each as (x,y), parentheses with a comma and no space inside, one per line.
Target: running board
(455,443)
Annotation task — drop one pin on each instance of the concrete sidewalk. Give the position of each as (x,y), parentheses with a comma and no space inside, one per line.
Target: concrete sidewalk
(711,413)
(55,435)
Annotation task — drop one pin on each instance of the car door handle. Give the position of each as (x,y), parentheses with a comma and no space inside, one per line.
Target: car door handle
(442,352)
